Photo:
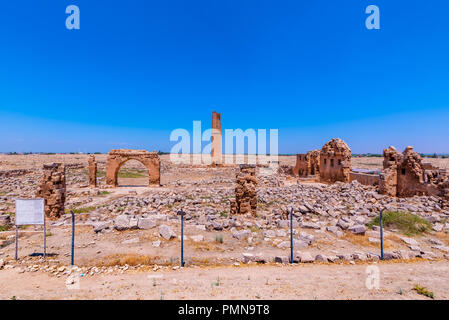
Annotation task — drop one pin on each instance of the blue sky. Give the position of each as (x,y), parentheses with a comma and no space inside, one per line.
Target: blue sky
(138,69)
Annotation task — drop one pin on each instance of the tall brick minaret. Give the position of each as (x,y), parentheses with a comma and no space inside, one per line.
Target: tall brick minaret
(216,138)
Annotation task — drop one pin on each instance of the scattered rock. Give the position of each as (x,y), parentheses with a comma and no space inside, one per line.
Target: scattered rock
(166,232)
(146,223)
(121,222)
(357,229)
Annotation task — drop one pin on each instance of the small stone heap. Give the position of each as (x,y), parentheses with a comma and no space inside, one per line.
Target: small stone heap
(52,189)
(245,191)
(92,172)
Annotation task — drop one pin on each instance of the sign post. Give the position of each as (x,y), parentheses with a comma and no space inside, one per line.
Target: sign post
(17,243)
(30,212)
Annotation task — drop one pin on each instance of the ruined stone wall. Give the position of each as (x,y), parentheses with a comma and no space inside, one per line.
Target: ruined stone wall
(116,158)
(389,176)
(216,153)
(245,191)
(14,173)
(52,188)
(410,173)
(366,179)
(405,175)
(301,167)
(307,164)
(335,161)
(92,172)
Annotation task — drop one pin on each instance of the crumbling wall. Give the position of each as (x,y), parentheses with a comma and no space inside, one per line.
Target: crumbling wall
(52,188)
(405,175)
(245,191)
(366,179)
(92,172)
(314,162)
(410,173)
(388,179)
(301,165)
(335,161)
(307,164)
(116,158)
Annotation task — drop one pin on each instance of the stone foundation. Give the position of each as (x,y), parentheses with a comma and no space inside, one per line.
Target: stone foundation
(52,188)
(245,191)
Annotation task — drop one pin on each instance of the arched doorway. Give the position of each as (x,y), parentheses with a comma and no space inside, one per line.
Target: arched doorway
(132,173)
(118,158)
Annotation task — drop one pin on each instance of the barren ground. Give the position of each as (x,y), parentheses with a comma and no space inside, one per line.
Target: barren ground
(397,281)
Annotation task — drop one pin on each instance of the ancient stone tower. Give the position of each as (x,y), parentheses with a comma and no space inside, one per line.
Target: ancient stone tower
(92,172)
(216,138)
(52,189)
(245,191)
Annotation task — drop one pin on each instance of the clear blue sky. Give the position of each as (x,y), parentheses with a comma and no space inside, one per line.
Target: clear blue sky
(138,69)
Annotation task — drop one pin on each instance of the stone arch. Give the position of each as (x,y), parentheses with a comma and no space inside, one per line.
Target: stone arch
(117,158)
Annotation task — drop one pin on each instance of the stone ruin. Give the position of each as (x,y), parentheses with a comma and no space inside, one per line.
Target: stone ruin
(405,175)
(245,191)
(216,154)
(52,188)
(117,158)
(307,164)
(335,161)
(331,164)
(92,172)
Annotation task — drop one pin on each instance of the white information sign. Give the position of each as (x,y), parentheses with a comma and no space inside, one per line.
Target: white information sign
(29,212)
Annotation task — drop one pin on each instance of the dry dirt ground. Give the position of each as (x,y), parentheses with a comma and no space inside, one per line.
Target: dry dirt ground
(138,263)
(396,281)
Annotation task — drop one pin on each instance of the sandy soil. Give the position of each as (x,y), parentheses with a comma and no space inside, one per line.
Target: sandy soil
(396,281)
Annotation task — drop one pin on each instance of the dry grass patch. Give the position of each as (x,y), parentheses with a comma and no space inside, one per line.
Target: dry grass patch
(80,230)
(443,236)
(205,246)
(364,242)
(130,259)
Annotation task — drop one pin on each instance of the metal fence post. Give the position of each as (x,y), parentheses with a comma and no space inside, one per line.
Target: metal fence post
(291,236)
(73,238)
(181,212)
(381,236)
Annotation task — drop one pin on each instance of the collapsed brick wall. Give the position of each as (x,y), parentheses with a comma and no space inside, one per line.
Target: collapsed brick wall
(389,177)
(92,172)
(52,188)
(410,173)
(405,175)
(335,161)
(245,191)
(307,164)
